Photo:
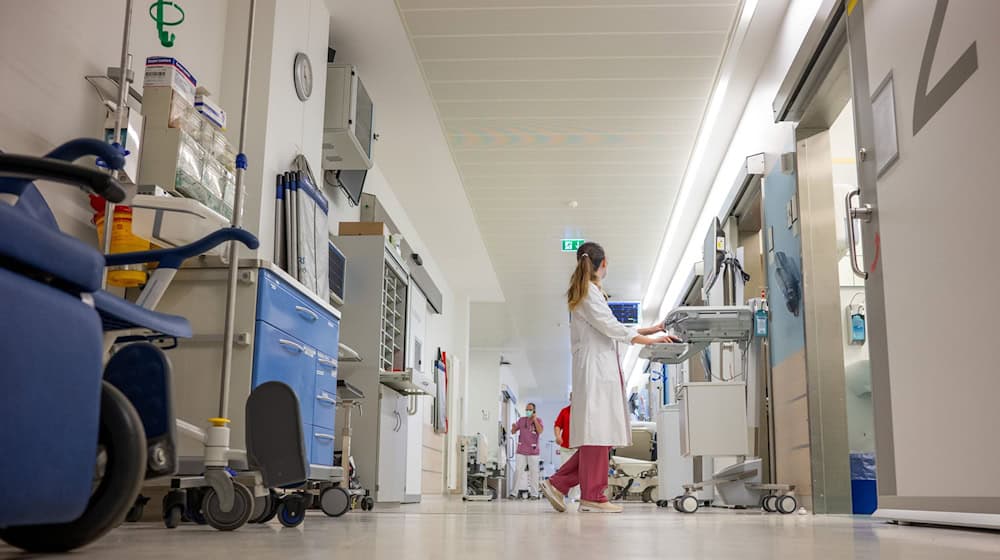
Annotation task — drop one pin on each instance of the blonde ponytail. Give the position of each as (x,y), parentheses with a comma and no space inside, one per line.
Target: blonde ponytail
(589,257)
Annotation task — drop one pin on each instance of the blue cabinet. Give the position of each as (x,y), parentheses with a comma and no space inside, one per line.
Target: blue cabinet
(279,356)
(296,342)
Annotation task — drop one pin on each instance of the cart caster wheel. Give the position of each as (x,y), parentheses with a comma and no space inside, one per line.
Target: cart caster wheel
(335,502)
(787,505)
(292,511)
(687,504)
(192,510)
(228,520)
(662,503)
(135,513)
(261,508)
(273,501)
(367,503)
(172,517)
(769,503)
(647,495)
(120,467)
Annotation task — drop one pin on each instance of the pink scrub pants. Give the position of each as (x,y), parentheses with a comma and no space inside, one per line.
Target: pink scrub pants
(588,468)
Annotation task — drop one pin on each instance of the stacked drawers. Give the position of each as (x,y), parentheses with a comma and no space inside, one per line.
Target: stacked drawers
(296,342)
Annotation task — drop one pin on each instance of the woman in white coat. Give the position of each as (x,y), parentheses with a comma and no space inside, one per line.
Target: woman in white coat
(599,418)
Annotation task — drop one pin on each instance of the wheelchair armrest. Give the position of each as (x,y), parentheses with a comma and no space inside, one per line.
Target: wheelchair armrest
(172,258)
(23,169)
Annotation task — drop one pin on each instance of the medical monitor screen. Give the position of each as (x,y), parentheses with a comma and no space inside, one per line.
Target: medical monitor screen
(627,312)
(353,182)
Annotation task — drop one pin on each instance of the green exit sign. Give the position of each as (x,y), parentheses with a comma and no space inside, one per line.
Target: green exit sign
(571,245)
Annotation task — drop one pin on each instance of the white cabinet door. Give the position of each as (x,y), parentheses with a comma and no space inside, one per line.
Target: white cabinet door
(400,468)
(390,449)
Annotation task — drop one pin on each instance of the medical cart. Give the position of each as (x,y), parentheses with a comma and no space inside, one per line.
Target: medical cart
(713,415)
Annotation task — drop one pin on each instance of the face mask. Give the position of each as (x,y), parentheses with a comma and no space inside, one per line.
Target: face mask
(529,413)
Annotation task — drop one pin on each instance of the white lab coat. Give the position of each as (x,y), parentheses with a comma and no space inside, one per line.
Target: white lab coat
(599,413)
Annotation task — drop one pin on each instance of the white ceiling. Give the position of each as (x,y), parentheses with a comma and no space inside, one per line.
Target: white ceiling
(550,101)
(412,152)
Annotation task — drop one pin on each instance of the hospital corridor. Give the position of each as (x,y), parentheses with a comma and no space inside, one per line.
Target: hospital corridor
(449,279)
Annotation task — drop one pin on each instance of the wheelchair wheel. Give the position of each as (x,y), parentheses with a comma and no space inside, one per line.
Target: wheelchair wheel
(118,476)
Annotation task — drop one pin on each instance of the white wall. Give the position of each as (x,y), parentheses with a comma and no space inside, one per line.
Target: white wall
(279,126)
(482,405)
(46,49)
(508,377)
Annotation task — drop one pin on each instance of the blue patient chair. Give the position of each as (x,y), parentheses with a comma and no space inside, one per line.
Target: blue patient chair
(78,434)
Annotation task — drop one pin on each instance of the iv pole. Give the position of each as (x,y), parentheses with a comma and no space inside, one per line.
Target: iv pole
(120,111)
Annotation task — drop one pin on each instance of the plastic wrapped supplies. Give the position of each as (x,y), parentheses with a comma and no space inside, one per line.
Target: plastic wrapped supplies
(205,165)
(190,168)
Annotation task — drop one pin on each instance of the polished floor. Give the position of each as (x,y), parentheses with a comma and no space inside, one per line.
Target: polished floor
(450,529)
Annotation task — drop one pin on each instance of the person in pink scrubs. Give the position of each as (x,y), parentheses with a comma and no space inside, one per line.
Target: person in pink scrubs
(527,428)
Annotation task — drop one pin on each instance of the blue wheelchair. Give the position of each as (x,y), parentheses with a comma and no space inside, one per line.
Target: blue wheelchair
(79,432)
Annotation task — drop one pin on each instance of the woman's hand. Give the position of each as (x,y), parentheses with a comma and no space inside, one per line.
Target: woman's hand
(650,331)
(647,340)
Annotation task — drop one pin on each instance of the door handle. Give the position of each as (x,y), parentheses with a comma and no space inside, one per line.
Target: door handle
(319,435)
(399,421)
(292,346)
(327,362)
(863,214)
(307,313)
(326,399)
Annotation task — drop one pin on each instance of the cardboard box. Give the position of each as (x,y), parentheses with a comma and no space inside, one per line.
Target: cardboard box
(164,71)
(211,110)
(364,228)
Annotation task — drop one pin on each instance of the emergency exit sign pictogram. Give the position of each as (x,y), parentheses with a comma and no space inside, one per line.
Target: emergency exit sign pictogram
(571,245)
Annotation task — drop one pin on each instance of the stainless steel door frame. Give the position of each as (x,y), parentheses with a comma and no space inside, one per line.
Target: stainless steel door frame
(812,94)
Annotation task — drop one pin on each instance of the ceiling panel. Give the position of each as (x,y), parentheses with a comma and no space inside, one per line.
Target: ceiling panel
(584,45)
(613,125)
(567,180)
(542,69)
(582,109)
(416,5)
(548,102)
(624,89)
(605,19)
